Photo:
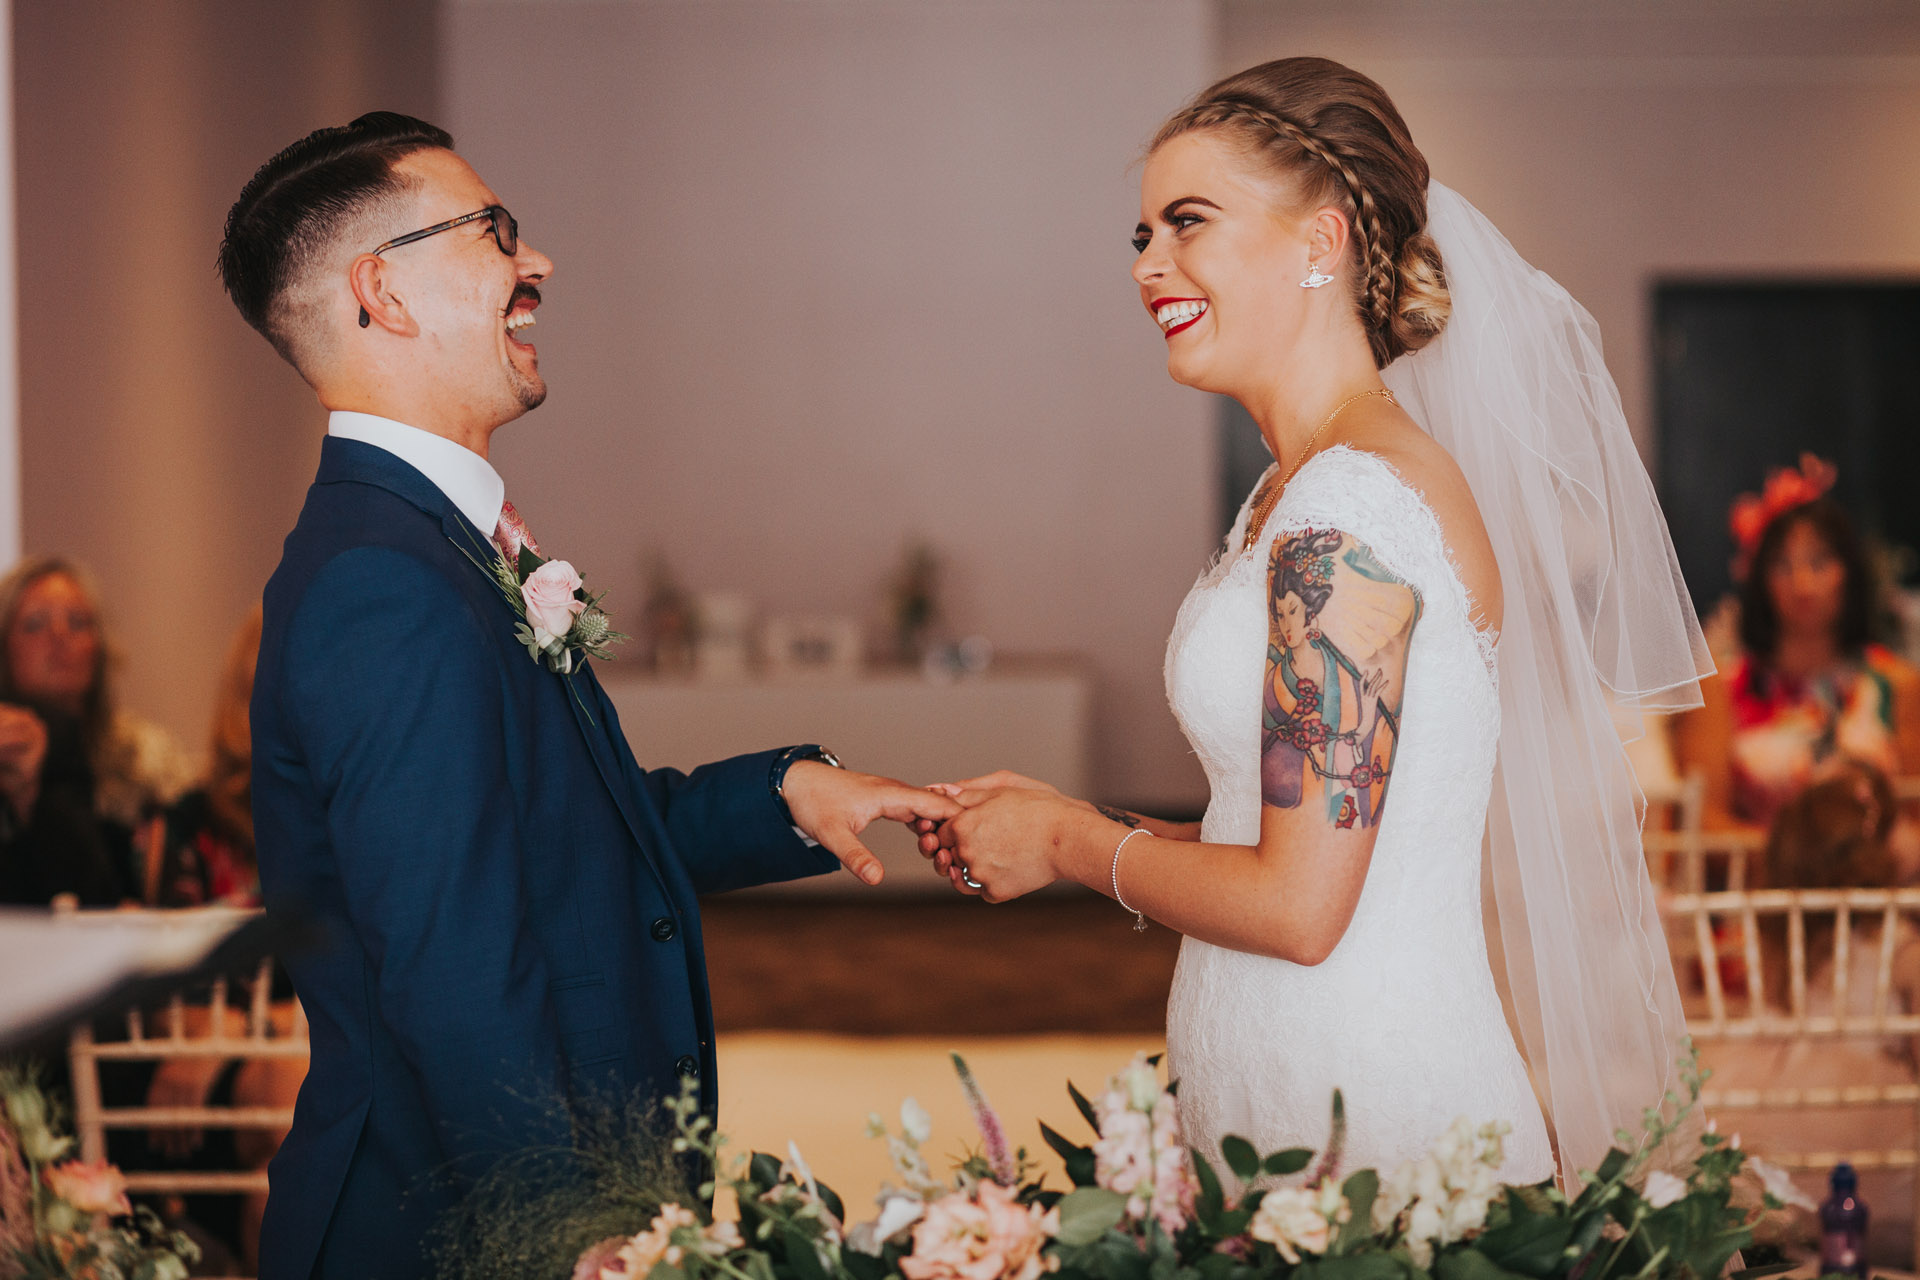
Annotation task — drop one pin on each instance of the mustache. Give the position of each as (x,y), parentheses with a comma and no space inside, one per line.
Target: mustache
(520,291)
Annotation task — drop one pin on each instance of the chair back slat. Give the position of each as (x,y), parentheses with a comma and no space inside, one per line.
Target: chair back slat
(1797,963)
(1710,965)
(1883,969)
(1750,952)
(1842,958)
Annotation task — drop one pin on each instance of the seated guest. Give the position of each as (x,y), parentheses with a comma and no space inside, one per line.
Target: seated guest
(77,774)
(1833,835)
(199,852)
(1809,690)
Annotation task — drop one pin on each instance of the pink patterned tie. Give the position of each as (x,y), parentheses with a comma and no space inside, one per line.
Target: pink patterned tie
(512,533)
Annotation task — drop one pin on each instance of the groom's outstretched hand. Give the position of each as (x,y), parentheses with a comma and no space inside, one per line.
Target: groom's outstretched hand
(835,805)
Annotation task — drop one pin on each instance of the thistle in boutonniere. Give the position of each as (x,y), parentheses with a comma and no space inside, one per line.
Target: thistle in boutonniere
(559,618)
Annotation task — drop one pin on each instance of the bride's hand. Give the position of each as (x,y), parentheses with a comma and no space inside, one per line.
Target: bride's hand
(999,780)
(1004,841)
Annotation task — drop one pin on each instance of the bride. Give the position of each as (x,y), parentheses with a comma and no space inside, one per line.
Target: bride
(1408,656)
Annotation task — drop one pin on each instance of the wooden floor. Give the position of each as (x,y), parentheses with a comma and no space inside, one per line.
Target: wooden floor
(1067,963)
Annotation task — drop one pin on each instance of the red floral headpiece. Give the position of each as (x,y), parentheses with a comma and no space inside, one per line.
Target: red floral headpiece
(1786,489)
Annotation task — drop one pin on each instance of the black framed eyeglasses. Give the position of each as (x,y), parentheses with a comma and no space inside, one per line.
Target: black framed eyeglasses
(506,232)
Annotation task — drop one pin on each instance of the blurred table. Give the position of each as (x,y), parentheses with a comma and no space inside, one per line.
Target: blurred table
(1031,716)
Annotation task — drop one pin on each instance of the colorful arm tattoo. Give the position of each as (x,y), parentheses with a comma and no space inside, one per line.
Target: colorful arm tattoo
(1339,626)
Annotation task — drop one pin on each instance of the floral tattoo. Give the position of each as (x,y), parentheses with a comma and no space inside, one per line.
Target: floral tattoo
(1118,815)
(1339,626)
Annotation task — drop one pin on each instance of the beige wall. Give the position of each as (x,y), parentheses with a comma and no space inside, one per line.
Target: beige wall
(833,275)
(162,441)
(1620,143)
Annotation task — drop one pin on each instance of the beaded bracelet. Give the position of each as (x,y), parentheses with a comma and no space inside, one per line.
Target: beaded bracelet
(1139,920)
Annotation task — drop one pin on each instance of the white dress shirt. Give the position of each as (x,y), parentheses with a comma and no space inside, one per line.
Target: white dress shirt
(468,480)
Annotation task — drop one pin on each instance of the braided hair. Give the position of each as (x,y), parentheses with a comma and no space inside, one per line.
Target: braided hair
(1338,134)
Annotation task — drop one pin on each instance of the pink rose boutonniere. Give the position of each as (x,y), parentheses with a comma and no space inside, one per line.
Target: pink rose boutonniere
(559,619)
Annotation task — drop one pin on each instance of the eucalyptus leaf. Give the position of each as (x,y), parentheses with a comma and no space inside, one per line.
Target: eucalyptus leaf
(1210,1200)
(1089,1213)
(1528,1243)
(1240,1157)
(831,1198)
(1467,1264)
(801,1257)
(1360,1190)
(1360,1266)
(1282,1163)
(763,1171)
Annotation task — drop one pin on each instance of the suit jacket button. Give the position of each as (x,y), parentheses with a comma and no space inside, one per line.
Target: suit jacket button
(688,1066)
(664,929)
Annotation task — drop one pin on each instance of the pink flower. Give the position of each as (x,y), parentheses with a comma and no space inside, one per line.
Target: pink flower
(90,1186)
(551,606)
(1140,1152)
(989,1236)
(596,1257)
(638,1256)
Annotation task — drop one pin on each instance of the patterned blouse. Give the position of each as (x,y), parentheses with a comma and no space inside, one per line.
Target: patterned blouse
(1789,732)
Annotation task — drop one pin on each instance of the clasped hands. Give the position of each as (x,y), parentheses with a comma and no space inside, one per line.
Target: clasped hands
(1012,835)
(996,837)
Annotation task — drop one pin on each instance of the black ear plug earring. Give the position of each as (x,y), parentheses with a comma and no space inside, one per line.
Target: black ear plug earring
(365,319)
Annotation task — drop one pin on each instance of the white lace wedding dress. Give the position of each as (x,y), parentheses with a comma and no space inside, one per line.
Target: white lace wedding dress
(1403,1017)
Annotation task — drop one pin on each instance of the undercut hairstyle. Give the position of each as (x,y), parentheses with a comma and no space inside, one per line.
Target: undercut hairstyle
(1859,602)
(300,206)
(1340,139)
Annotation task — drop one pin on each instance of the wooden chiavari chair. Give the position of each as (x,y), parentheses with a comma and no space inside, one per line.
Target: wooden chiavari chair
(211,1021)
(1730,926)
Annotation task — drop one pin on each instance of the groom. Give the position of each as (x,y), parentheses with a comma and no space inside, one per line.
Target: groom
(507,901)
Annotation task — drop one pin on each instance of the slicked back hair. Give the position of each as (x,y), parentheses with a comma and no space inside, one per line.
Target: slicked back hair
(297,205)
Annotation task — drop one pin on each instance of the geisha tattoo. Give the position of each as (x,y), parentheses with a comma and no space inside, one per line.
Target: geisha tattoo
(1339,626)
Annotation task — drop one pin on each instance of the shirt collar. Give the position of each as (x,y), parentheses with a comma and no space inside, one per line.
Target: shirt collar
(468,480)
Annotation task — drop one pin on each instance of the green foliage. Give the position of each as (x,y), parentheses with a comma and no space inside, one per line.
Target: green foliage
(534,1212)
(1266,1229)
(1089,1213)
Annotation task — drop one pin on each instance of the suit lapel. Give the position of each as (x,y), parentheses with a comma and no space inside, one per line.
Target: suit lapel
(596,728)
(351,461)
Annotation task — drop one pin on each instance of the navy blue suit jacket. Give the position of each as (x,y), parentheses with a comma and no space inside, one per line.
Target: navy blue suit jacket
(506,901)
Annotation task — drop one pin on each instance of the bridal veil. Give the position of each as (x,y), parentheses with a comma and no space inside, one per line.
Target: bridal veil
(1597,622)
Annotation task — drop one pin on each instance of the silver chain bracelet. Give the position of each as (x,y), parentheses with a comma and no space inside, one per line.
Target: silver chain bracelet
(1139,920)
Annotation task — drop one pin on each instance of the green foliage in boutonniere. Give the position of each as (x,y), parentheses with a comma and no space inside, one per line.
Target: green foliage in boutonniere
(559,619)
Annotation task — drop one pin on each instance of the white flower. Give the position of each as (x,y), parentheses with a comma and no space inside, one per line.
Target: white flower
(1444,1196)
(796,1165)
(915,1122)
(1779,1184)
(1297,1220)
(897,1213)
(1662,1189)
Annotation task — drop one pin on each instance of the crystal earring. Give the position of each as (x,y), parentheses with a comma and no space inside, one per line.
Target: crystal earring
(1314,279)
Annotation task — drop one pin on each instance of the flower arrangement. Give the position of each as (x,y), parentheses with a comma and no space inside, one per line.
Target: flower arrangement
(68,1219)
(1144,1207)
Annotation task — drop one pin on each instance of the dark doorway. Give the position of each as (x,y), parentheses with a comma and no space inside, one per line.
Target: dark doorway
(1751,375)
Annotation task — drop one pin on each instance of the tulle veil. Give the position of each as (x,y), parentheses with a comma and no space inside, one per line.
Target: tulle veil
(1597,622)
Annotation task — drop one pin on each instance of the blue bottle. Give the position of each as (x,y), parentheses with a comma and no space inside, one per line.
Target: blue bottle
(1843,1226)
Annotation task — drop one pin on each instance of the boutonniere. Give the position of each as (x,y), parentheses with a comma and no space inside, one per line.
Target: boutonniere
(559,619)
